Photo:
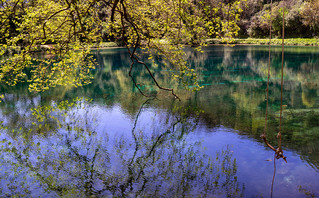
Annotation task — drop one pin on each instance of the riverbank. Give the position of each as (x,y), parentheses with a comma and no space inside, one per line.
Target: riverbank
(247,41)
(274,41)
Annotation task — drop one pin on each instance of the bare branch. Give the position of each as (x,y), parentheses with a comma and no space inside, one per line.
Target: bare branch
(113,9)
(50,17)
(133,53)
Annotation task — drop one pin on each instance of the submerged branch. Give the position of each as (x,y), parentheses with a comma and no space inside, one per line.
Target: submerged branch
(278,151)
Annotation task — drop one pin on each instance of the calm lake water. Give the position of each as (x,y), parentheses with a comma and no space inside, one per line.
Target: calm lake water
(105,139)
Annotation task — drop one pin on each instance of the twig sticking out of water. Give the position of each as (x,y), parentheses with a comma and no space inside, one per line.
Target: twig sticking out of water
(278,151)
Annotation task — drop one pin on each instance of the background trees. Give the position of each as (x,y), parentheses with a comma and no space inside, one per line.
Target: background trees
(301,18)
(310,15)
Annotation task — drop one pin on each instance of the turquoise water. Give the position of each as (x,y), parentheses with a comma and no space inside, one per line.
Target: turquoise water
(105,139)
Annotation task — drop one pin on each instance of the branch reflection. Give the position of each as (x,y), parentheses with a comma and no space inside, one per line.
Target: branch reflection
(66,154)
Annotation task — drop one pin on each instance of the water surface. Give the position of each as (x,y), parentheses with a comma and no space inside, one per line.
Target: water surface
(105,139)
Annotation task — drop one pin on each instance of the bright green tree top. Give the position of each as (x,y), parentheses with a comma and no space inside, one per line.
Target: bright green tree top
(160,27)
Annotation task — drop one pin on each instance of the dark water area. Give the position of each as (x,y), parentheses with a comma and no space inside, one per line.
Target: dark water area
(107,140)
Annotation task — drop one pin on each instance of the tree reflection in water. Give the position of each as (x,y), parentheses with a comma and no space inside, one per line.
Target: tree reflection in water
(66,155)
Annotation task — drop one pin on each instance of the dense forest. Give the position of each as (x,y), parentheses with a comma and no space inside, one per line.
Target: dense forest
(301,18)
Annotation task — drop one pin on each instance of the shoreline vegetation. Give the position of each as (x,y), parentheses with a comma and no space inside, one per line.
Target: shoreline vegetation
(241,41)
(245,41)
(265,41)
(237,41)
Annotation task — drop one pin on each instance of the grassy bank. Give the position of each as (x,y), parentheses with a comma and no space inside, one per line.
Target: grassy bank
(248,41)
(254,41)
(105,45)
(45,48)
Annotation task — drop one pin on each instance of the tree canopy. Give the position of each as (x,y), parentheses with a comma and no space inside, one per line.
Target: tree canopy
(67,29)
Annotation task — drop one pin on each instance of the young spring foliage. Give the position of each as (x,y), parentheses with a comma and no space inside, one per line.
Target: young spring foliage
(67,29)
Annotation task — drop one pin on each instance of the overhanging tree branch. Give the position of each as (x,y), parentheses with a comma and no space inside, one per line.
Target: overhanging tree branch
(133,56)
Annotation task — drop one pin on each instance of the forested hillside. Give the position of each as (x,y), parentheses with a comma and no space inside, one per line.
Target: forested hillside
(301,18)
